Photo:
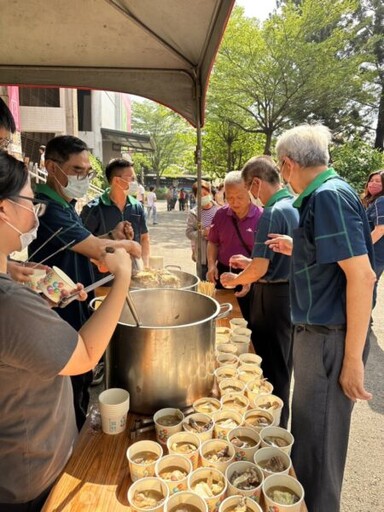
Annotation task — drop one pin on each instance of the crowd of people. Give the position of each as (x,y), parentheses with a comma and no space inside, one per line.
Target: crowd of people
(304,267)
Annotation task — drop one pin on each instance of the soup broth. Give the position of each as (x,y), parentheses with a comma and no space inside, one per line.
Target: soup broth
(283,495)
(148,499)
(145,458)
(169,420)
(173,474)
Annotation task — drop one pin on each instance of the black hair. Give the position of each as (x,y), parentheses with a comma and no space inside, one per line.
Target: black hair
(6,117)
(60,149)
(262,167)
(118,164)
(13,176)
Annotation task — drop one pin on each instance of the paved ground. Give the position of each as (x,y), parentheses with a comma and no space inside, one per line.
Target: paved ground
(363,486)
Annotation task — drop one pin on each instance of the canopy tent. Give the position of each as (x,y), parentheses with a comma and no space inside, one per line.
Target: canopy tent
(160,49)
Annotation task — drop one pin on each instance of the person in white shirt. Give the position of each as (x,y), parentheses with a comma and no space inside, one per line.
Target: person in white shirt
(151,205)
(140,194)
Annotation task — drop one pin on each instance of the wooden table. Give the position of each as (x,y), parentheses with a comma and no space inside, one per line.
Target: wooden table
(96,478)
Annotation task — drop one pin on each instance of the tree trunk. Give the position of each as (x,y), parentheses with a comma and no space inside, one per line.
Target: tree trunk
(229,156)
(379,140)
(268,143)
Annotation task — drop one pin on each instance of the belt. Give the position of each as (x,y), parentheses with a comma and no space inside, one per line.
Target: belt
(276,281)
(320,329)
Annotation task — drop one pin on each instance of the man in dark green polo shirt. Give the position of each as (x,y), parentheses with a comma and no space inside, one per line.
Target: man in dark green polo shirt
(270,316)
(116,204)
(332,284)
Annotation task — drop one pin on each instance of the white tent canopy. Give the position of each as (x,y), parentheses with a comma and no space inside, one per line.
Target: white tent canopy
(160,49)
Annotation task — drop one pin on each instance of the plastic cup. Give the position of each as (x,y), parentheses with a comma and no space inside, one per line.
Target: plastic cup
(266,454)
(237,322)
(185,437)
(207,405)
(227,360)
(242,331)
(225,372)
(114,406)
(244,453)
(234,386)
(225,421)
(248,372)
(272,404)
(141,470)
(226,348)
(241,467)
(148,484)
(258,419)
(216,445)
(34,279)
(257,388)
(54,283)
(199,418)
(181,500)
(232,502)
(229,274)
(163,432)
(280,433)
(171,462)
(206,474)
(282,481)
(250,359)
(235,401)
(241,343)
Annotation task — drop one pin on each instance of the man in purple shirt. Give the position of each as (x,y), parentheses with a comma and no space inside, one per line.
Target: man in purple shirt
(232,232)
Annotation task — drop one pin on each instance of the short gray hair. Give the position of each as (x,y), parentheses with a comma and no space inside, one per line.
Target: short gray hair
(262,167)
(233,178)
(306,144)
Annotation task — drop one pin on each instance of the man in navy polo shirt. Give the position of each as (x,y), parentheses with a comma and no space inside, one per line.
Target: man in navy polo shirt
(270,312)
(69,173)
(332,284)
(116,204)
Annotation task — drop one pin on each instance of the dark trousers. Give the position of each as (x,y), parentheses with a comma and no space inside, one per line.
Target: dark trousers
(31,506)
(80,385)
(270,322)
(244,302)
(321,415)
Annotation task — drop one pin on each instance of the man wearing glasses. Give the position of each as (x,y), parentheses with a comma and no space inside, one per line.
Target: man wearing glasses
(69,175)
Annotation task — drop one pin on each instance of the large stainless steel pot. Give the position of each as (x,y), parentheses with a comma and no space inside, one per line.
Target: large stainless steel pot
(187,281)
(169,360)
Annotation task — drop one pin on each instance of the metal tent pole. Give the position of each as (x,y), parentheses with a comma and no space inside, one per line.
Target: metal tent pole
(198,164)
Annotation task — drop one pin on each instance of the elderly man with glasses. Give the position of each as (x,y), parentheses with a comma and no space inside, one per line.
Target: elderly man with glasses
(69,175)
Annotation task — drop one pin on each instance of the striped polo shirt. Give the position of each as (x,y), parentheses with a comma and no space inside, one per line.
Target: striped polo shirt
(333,227)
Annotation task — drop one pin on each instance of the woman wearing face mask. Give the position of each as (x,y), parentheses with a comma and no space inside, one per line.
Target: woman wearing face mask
(373,200)
(208,210)
(38,353)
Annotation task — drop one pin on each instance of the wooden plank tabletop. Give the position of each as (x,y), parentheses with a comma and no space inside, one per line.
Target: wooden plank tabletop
(96,477)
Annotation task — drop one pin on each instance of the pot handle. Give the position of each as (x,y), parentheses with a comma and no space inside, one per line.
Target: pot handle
(177,267)
(227,309)
(91,304)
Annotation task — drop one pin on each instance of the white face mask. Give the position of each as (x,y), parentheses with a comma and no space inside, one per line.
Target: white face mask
(75,189)
(28,237)
(206,200)
(133,188)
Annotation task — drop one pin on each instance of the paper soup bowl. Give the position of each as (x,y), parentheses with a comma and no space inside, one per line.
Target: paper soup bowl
(147,467)
(149,484)
(249,372)
(240,342)
(245,434)
(201,420)
(258,387)
(277,482)
(270,403)
(271,435)
(200,475)
(235,401)
(222,335)
(234,502)
(234,386)
(214,446)
(207,405)
(35,278)
(181,443)
(225,421)
(227,360)
(54,283)
(236,322)
(226,348)
(258,419)
(236,469)
(242,331)
(272,460)
(114,406)
(174,465)
(225,372)
(180,501)
(164,431)
(250,359)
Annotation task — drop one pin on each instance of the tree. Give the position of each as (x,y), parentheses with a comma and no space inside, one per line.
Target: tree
(279,73)
(171,134)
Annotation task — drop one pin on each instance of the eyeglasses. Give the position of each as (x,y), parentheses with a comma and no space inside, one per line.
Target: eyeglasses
(4,142)
(39,206)
(79,173)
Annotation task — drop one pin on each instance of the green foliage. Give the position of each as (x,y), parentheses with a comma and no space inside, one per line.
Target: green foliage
(355,160)
(99,179)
